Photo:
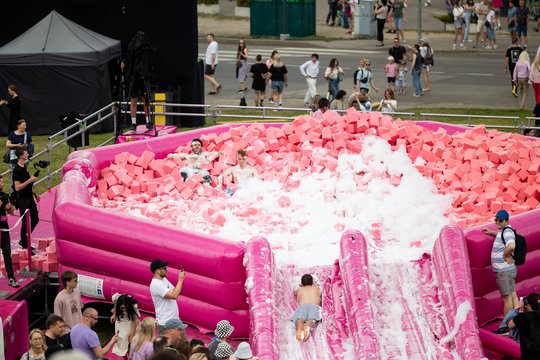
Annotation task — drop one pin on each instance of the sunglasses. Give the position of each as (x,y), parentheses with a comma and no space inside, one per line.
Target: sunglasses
(498,220)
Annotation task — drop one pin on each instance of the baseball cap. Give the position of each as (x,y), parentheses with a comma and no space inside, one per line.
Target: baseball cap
(157,264)
(174,324)
(502,214)
(390,58)
(243,351)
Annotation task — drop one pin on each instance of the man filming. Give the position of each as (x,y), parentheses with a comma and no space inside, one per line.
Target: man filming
(23,184)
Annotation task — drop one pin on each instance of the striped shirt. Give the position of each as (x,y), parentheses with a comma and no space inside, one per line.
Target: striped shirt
(497,261)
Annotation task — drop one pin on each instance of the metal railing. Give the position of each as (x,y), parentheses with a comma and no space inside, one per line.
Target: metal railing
(227,112)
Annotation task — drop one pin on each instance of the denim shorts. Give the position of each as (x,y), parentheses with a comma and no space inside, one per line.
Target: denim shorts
(399,23)
(522,30)
(278,85)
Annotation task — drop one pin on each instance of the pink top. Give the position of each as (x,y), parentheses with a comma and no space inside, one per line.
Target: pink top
(390,69)
(522,70)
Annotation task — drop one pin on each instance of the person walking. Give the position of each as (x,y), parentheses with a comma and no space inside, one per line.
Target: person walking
(511,19)
(6,209)
(534,78)
(333,73)
(211,61)
(469,8)
(491,20)
(523,16)
(481,10)
(510,61)
(381,11)
(14,107)
(459,23)
(426,52)
(521,77)
(259,72)
(310,70)
(280,79)
(398,12)
(242,66)
(416,70)
(332,11)
(269,63)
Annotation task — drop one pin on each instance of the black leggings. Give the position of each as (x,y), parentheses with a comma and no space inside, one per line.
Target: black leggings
(6,252)
(34,218)
(380,29)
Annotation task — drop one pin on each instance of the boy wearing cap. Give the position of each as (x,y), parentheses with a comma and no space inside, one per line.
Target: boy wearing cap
(164,294)
(502,261)
(308,312)
(224,329)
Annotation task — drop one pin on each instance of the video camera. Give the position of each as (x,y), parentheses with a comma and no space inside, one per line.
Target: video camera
(40,164)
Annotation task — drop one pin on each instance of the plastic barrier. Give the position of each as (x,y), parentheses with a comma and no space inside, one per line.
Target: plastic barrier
(488,300)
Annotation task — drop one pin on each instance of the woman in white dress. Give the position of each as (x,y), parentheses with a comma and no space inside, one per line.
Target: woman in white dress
(126,318)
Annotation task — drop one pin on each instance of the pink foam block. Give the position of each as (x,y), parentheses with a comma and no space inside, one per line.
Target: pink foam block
(145,159)
(42,244)
(50,266)
(121,158)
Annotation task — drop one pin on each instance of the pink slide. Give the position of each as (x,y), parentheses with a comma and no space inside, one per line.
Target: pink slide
(427,332)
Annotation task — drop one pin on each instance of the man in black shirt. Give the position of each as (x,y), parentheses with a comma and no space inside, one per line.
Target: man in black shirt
(398,51)
(55,339)
(5,209)
(23,184)
(512,56)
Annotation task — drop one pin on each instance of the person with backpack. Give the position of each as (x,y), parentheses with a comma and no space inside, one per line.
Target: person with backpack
(528,323)
(364,79)
(502,262)
(426,52)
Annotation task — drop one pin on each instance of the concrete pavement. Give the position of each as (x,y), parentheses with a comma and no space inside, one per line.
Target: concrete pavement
(228,28)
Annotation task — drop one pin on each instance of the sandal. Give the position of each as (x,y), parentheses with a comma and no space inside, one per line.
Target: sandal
(212,93)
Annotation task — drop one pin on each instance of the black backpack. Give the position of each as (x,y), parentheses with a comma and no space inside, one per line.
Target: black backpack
(428,59)
(520,250)
(533,341)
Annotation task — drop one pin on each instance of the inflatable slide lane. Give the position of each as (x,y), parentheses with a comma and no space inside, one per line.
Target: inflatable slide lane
(431,300)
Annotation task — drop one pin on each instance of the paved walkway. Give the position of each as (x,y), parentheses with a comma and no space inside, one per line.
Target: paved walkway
(230,28)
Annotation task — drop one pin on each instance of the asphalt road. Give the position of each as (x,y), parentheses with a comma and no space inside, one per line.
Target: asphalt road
(459,79)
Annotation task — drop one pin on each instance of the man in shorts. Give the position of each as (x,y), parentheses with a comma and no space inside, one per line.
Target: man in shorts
(481,10)
(398,11)
(210,64)
(502,261)
(308,313)
(523,16)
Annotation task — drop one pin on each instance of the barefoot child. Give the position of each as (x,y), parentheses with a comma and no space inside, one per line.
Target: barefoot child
(308,313)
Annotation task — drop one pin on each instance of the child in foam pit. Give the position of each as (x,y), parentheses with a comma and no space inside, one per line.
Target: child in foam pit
(239,173)
(308,313)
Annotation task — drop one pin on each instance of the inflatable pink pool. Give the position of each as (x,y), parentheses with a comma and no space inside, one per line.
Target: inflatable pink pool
(230,280)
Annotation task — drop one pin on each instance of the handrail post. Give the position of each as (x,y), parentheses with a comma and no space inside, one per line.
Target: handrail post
(29,239)
(49,146)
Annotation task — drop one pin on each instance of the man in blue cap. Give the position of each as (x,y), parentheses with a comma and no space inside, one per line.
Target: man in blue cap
(502,261)
(174,330)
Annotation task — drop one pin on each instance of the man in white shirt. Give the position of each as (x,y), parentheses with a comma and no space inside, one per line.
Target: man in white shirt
(211,62)
(310,70)
(164,294)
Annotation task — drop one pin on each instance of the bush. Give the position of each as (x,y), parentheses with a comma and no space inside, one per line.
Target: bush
(243,3)
(208,2)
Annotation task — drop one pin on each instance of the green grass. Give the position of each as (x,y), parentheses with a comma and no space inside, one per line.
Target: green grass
(59,155)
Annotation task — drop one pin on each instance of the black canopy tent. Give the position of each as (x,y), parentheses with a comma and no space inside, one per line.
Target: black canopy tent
(58,66)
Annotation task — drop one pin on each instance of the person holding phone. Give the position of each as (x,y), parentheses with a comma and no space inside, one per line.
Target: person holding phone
(164,294)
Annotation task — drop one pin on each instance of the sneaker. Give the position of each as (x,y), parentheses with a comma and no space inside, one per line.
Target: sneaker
(416,95)
(149,126)
(468,40)
(502,331)
(495,46)
(462,47)
(270,101)
(453,46)
(13,283)
(474,46)
(524,46)
(134,127)
(488,47)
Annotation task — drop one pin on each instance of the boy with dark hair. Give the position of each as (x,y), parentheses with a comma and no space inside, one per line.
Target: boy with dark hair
(6,209)
(308,313)
(68,304)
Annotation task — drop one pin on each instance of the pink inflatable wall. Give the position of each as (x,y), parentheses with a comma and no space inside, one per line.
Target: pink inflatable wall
(488,300)
(118,249)
(14,316)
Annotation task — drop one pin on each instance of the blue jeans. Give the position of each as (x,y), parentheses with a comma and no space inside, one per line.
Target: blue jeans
(416,81)
(467,24)
(345,20)
(514,333)
(333,87)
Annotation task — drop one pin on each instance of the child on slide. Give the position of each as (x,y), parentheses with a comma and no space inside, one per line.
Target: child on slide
(308,313)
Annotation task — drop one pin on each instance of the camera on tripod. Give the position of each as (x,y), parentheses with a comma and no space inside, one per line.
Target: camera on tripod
(40,164)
